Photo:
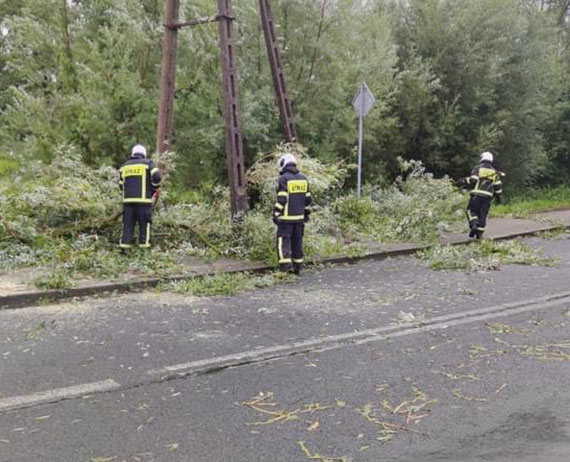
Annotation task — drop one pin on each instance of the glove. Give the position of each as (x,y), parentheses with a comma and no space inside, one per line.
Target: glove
(155,197)
(276,219)
(499,199)
(307,218)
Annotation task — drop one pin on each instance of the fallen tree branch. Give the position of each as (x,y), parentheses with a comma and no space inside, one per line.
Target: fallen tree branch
(13,234)
(91,225)
(85,225)
(198,234)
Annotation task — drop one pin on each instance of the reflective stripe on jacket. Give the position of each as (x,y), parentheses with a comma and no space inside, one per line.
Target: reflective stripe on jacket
(139,178)
(293,197)
(485,181)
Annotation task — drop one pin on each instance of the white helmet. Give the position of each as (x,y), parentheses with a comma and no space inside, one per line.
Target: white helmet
(286,159)
(139,149)
(487,157)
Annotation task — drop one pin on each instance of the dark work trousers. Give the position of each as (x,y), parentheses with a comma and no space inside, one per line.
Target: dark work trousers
(477,211)
(290,246)
(133,213)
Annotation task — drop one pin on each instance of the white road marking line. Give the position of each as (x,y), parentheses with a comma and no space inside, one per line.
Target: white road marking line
(364,336)
(316,345)
(57,394)
(459,322)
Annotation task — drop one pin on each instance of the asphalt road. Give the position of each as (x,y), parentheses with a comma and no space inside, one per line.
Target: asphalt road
(376,361)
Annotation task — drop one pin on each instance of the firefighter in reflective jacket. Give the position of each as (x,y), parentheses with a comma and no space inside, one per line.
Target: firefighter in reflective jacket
(140,182)
(290,214)
(485,183)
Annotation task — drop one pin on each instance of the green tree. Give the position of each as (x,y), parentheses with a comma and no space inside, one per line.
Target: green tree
(497,66)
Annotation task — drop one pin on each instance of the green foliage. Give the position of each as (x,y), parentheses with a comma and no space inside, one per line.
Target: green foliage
(325,179)
(57,279)
(534,200)
(55,216)
(15,255)
(420,207)
(92,80)
(225,284)
(403,211)
(483,256)
(451,78)
(358,215)
(44,196)
(8,166)
(497,69)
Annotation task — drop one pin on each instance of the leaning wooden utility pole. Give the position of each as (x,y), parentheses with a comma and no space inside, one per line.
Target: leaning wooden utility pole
(168,77)
(234,143)
(277,72)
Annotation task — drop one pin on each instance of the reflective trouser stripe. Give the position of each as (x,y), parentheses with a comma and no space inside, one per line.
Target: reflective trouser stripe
(282,258)
(125,246)
(137,201)
(297,260)
(146,244)
(280,248)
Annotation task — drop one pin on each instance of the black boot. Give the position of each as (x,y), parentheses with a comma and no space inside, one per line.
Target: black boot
(297,267)
(285,267)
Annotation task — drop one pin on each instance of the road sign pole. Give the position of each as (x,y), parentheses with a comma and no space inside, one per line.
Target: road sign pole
(362,103)
(360,130)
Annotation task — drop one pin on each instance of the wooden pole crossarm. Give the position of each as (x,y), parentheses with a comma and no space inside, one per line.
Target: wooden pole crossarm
(197,22)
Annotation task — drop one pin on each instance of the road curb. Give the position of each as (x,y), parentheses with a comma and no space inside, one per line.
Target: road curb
(24,299)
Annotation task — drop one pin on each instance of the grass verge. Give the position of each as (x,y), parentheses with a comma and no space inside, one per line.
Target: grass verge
(540,200)
(60,278)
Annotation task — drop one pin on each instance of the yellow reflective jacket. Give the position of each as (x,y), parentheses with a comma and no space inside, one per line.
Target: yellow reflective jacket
(485,181)
(139,178)
(294,199)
